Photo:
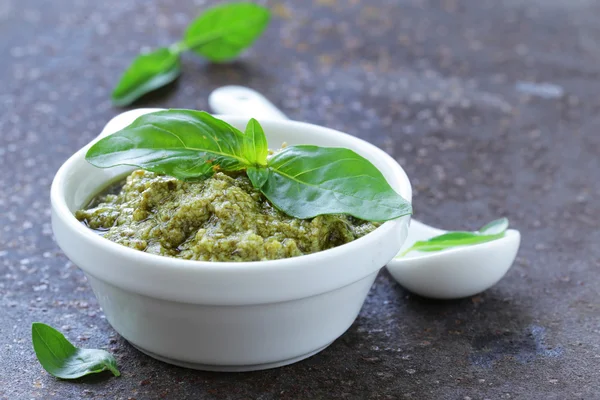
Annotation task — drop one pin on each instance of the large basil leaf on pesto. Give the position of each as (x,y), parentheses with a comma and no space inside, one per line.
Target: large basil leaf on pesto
(224,31)
(305,181)
(185,144)
(147,72)
(63,360)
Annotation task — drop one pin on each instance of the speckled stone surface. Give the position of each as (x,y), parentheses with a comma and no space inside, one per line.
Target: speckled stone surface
(434,83)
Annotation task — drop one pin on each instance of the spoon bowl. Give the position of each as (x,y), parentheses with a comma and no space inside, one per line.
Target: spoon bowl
(456,272)
(449,274)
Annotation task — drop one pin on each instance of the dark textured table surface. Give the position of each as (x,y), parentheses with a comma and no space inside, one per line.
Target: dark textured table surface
(434,83)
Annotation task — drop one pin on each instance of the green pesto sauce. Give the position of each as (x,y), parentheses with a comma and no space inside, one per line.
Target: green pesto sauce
(223,218)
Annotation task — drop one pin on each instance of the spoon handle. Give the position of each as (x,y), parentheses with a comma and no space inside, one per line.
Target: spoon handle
(240,100)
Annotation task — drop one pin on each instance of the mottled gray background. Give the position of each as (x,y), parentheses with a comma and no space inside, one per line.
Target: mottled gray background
(434,83)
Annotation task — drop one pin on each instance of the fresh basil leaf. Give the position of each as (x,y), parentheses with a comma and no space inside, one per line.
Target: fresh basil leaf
(63,360)
(454,239)
(224,31)
(256,148)
(147,72)
(258,176)
(495,227)
(185,144)
(492,231)
(306,181)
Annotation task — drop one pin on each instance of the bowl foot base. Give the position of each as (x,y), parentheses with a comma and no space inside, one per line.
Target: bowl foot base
(229,368)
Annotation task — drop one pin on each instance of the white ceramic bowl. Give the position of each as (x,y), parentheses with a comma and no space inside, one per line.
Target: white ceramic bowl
(226,316)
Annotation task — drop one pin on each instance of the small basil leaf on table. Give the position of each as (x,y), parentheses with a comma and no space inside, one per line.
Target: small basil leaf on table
(63,360)
(147,72)
(224,31)
(305,181)
(492,231)
(185,144)
(256,148)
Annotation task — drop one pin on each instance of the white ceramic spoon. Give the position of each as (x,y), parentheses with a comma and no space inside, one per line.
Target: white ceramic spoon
(448,274)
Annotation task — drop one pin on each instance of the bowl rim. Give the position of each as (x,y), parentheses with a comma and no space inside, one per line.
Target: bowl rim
(62,211)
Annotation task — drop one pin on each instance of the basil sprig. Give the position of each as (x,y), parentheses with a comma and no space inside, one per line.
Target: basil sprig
(63,360)
(303,181)
(491,231)
(219,34)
